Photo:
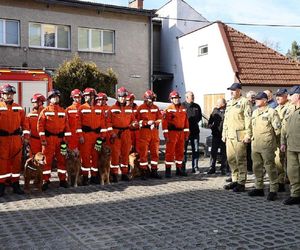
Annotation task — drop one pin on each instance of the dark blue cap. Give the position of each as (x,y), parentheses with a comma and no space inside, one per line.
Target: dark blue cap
(294,90)
(235,86)
(261,95)
(281,91)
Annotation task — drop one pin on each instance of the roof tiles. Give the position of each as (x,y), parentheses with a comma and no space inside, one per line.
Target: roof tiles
(259,65)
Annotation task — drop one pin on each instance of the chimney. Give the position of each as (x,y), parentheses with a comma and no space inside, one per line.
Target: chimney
(138,4)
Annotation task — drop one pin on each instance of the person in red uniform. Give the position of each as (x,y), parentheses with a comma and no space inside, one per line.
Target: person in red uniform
(175,127)
(134,131)
(92,131)
(149,118)
(12,122)
(120,120)
(53,128)
(101,100)
(72,114)
(37,101)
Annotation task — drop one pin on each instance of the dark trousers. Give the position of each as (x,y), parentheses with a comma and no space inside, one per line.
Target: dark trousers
(249,159)
(194,140)
(217,144)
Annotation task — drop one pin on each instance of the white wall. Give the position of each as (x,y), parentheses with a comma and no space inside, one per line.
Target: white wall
(171,29)
(207,74)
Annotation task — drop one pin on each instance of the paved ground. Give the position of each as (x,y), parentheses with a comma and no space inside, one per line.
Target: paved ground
(181,213)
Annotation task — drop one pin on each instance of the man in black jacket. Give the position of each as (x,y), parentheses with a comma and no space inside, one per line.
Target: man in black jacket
(195,116)
(215,122)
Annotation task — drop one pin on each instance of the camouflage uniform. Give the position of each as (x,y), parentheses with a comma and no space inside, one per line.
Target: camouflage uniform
(266,127)
(237,118)
(290,136)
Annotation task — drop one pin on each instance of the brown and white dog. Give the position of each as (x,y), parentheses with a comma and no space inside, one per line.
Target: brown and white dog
(73,165)
(104,164)
(134,170)
(33,170)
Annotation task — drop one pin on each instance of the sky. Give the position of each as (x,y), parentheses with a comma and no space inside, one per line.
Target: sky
(284,12)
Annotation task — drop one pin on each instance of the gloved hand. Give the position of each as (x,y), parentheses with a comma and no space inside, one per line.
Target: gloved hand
(150,122)
(112,138)
(186,136)
(63,148)
(81,139)
(283,148)
(135,124)
(98,144)
(44,143)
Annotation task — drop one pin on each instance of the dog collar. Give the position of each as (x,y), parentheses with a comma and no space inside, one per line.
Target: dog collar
(30,167)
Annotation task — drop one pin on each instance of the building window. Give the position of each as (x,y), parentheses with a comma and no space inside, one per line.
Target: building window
(96,40)
(49,36)
(9,32)
(203,50)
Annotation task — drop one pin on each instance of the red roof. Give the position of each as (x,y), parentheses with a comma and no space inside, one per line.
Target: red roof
(255,63)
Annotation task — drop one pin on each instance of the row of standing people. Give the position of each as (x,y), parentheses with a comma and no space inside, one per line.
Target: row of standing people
(269,130)
(86,126)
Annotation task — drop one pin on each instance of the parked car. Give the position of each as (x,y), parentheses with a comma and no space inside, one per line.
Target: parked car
(204,132)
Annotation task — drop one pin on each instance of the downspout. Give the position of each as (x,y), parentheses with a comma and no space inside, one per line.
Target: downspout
(151,53)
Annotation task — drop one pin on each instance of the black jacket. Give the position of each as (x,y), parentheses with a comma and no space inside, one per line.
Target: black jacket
(216,120)
(194,114)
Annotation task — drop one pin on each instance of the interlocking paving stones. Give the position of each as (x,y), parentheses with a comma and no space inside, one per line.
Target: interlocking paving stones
(191,212)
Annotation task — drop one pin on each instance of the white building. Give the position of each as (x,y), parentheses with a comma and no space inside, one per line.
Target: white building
(215,56)
(170,54)
(207,58)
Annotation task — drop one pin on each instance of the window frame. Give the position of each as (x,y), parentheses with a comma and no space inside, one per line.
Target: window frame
(90,49)
(200,49)
(42,37)
(4,32)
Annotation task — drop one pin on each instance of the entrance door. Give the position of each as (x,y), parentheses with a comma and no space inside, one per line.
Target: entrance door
(210,101)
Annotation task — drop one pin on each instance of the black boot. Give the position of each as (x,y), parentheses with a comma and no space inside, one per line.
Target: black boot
(114,178)
(63,184)
(223,170)
(281,187)
(85,180)
(292,201)
(143,174)
(229,179)
(212,170)
(168,173)
(2,189)
(95,180)
(272,196)
(154,174)
(256,192)
(16,188)
(125,177)
(45,185)
(231,185)
(180,172)
(239,188)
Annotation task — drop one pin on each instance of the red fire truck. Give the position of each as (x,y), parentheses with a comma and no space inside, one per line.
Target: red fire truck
(26,82)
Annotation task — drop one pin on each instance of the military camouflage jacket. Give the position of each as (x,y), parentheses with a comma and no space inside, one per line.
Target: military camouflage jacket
(237,117)
(265,126)
(290,133)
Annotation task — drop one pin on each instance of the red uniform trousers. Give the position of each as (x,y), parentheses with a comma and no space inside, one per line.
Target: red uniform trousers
(149,140)
(135,139)
(73,140)
(10,158)
(51,150)
(35,145)
(89,155)
(120,150)
(175,148)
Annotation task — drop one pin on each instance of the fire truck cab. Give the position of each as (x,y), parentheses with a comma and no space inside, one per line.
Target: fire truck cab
(27,83)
